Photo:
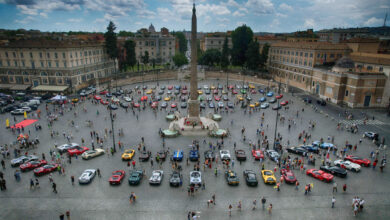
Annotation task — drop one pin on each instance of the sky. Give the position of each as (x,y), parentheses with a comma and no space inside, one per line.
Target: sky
(213,15)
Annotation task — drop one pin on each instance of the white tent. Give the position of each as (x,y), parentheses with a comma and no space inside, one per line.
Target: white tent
(58,98)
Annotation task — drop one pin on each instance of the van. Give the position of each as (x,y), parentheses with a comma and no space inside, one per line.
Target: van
(34,102)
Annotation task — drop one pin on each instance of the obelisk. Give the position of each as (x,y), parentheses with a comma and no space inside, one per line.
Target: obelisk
(193,103)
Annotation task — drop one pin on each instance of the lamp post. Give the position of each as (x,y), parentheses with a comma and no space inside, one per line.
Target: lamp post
(112,119)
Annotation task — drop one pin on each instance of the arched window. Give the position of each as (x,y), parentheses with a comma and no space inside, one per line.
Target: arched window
(58,74)
(43,74)
(25,73)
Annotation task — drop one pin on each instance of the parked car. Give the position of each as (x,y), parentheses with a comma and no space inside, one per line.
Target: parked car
(156,178)
(240,155)
(225,154)
(87,176)
(135,177)
(175,179)
(232,178)
(195,178)
(250,178)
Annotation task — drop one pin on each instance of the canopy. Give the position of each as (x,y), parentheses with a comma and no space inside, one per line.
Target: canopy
(24,123)
(58,98)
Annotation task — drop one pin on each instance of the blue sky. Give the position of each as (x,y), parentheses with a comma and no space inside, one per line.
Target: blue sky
(213,15)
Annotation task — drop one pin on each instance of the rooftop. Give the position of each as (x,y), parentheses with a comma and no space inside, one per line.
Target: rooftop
(373,58)
(311,45)
(45,43)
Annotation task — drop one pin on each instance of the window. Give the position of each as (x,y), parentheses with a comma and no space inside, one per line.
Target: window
(44,81)
(42,65)
(85,53)
(89,53)
(16,63)
(21,54)
(301,54)
(140,43)
(26,79)
(56,55)
(288,52)
(318,55)
(25,73)
(81,54)
(346,92)
(31,55)
(339,55)
(33,64)
(8,63)
(332,55)
(43,74)
(48,55)
(306,54)
(59,81)
(49,63)
(305,63)
(311,54)
(1,63)
(40,55)
(23,64)
(65,64)
(380,68)
(6,54)
(13,53)
(57,65)
(368,67)
(63,55)
(58,74)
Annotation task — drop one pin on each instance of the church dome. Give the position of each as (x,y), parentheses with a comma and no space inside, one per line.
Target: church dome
(345,62)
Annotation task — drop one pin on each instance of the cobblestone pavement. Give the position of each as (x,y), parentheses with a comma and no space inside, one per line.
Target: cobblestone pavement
(99,200)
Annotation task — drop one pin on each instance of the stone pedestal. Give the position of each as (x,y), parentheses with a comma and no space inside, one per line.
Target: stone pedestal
(193,110)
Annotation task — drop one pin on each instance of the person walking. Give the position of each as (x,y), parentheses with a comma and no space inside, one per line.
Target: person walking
(36,183)
(98,172)
(263,201)
(254,204)
(270,208)
(296,185)
(230,210)
(31,183)
(239,206)
(344,187)
(54,185)
(333,201)
(3,164)
(72,180)
(334,187)
(213,198)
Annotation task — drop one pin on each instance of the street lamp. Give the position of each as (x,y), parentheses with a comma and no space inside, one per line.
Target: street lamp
(112,119)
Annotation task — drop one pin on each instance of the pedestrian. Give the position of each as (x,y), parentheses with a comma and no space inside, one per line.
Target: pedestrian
(263,201)
(98,172)
(270,208)
(213,198)
(31,183)
(254,204)
(334,187)
(3,164)
(54,185)
(333,201)
(72,180)
(361,203)
(230,210)
(296,185)
(239,206)
(62,216)
(36,183)
(355,209)
(345,187)
(67,215)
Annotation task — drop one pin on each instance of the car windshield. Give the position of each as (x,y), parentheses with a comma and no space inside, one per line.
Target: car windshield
(195,175)
(117,173)
(251,176)
(258,153)
(267,173)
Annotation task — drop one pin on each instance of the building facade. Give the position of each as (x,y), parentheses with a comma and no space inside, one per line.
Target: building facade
(53,63)
(341,35)
(215,41)
(161,48)
(332,72)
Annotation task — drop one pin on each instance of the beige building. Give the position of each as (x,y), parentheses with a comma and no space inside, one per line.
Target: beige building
(215,41)
(55,63)
(332,72)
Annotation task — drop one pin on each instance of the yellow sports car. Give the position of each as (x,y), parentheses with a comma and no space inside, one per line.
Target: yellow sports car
(149,91)
(251,86)
(128,154)
(268,176)
(168,98)
(224,92)
(75,100)
(200,92)
(257,104)
(239,97)
(212,87)
(252,105)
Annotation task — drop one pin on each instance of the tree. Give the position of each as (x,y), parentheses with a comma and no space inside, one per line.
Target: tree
(145,58)
(253,56)
(180,59)
(210,58)
(110,38)
(125,34)
(225,55)
(241,37)
(130,53)
(264,55)
(182,41)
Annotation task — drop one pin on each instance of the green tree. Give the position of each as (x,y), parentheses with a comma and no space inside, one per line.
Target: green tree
(264,55)
(253,56)
(125,34)
(241,37)
(211,57)
(182,41)
(225,55)
(145,58)
(130,53)
(110,38)
(180,59)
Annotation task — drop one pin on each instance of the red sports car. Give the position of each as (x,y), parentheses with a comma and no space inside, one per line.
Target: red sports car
(284,103)
(319,174)
(154,105)
(32,165)
(257,154)
(230,87)
(279,96)
(288,175)
(253,91)
(170,87)
(361,161)
(117,177)
(234,92)
(136,105)
(217,98)
(103,92)
(77,150)
(184,92)
(103,102)
(173,105)
(144,98)
(48,168)
(96,97)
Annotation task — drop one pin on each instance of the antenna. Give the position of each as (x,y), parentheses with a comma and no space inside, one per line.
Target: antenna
(384,22)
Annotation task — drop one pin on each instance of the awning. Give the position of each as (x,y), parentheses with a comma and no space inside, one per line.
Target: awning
(50,88)
(5,86)
(20,87)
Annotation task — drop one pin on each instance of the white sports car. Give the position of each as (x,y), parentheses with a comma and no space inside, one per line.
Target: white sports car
(225,154)
(195,178)
(92,153)
(87,176)
(156,177)
(127,99)
(347,165)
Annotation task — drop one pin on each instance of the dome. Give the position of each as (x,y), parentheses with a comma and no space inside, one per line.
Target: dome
(345,62)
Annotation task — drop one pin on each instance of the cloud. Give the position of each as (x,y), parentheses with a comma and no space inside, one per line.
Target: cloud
(373,21)
(309,23)
(207,19)
(238,14)
(75,20)
(281,15)
(260,6)
(232,3)
(146,14)
(43,14)
(285,7)
(25,20)
(213,9)
(224,20)
(240,23)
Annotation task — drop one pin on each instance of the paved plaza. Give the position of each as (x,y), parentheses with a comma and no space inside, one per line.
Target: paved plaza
(99,200)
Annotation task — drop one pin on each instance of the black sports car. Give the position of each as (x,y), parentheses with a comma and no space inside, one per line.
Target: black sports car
(175,179)
(209,155)
(144,156)
(334,170)
(240,155)
(250,178)
(297,150)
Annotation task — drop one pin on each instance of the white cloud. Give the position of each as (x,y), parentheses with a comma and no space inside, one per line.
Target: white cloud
(285,7)
(309,23)
(213,9)
(373,21)
(260,6)
(146,14)
(43,14)
(75,20)
(225,20)
(238,14)
(25,20)
(240,23)
(207,19)
(232,3)
(281,15)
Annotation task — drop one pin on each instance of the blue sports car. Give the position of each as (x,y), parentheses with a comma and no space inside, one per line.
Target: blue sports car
(311,148)
(324,145)
(270,94)
(177,155)
(262,99)
(211,105)
(194,155)
(261,91)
